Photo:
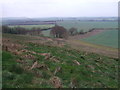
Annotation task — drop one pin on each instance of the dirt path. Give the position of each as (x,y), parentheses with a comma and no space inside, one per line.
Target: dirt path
(94,32)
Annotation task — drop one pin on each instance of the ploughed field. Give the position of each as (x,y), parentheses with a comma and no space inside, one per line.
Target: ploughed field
(40,62)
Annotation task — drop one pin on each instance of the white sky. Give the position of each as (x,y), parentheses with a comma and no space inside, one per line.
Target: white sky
(59,8)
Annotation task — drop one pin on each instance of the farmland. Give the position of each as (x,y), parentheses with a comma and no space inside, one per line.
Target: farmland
(80,25)
(101,39)
(86,25)
(106,38)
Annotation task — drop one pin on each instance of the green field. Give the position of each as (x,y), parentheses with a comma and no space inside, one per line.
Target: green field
(32,26)
(86,25)
(106,38)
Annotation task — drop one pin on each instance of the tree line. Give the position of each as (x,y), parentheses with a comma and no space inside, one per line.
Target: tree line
(21,30)
(60,32)
(56,31)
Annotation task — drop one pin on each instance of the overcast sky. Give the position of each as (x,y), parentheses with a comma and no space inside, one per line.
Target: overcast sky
(59,8)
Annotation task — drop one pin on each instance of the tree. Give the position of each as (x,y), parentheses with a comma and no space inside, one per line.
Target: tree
(59,32)
(73,31)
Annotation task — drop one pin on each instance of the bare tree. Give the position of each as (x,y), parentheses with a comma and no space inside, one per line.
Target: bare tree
(59,32)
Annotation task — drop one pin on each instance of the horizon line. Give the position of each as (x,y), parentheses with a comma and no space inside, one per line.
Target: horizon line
(64,17)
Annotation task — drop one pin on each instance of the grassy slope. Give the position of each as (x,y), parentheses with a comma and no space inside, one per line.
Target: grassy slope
(106,38)
(92,71)
(14,75)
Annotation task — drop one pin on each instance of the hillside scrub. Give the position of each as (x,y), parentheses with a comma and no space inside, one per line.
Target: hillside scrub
(45,66)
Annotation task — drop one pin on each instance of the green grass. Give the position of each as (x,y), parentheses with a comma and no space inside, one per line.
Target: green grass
(105,73)
(13,76)
(106,38)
